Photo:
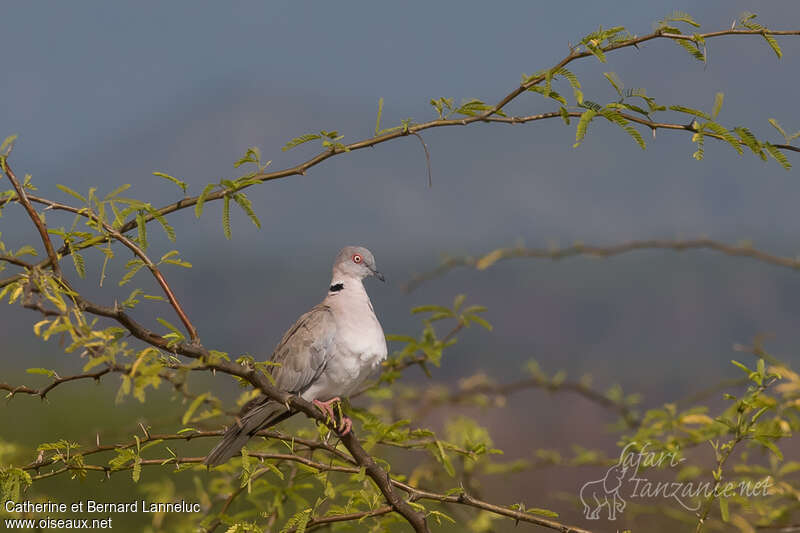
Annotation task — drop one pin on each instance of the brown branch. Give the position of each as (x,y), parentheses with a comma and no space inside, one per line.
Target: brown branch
(42,393)
(414,493)
(198,434)
(427,158)
(37,221)
(503,254)
(15,261)
(133,247)
(322,521)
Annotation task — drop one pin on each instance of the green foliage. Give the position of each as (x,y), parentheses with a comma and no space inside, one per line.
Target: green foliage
(175,336)
(176,181)
(13,482)
(748,21)
(226,216)
(241,199)
(252,155)
(444,107)
(198,208)
(583,124)
(297,141)
(786,137)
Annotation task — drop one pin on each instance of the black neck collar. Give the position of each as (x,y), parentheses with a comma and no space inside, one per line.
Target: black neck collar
(336,287)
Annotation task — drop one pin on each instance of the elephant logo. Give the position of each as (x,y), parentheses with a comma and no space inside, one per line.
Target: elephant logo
(604,493)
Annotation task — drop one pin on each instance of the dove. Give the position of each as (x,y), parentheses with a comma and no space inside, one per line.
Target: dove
(327,355)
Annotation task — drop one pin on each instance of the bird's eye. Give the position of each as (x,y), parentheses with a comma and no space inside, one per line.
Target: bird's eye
(356,258)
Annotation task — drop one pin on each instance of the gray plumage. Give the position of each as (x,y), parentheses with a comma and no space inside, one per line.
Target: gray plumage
(329,352)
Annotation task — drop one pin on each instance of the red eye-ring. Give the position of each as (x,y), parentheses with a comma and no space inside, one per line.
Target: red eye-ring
(356,258)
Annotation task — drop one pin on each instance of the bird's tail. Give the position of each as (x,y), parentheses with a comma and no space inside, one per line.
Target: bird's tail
(262,415)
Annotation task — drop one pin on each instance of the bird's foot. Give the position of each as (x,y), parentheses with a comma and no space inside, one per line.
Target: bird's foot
(326,407)
(345,424)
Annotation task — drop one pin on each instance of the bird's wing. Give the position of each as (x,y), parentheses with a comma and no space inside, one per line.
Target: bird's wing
(304,351)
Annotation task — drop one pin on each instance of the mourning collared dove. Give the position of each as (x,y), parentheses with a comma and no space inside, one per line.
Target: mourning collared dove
(328,353)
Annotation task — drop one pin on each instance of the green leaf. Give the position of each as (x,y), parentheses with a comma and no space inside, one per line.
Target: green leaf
(779,156)
(597,52)
(690,111)
(740,365)
(552,94)
(680,16)
(778,127)
(197,402)
(244,202)
(198,208)
(699,138)
(253,155)
(613,116)
(75,194)
(771,446)
(717,104)
(176,181)
(564,115)
(747,20)
(226,216)
(726,135)
(542,512)
(298,522)
(118,190)
(8,145)
(132,267)
(141,227)
(573,82)
(583,123)
(750,141)
(26,250)
(723,508)
(42,371)
(300,140)
(378,119)
(475,107)
(615,82)
(77,260)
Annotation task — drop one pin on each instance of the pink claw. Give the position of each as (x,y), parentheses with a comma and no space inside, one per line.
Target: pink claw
(326,407)
(347,425)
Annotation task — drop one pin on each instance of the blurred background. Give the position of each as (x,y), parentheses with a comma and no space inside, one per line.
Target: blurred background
(103,94)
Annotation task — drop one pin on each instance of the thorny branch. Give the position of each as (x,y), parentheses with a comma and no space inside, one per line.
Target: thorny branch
(414,493)
(502,254)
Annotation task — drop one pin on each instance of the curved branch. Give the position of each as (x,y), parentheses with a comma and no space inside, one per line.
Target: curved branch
(42,393)
(133,247)
(414,493)
(503,254)
(35,218)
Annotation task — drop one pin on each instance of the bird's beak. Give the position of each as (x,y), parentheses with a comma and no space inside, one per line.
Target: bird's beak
(378,275)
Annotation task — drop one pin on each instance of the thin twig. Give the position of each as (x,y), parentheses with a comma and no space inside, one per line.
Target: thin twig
(427,157)
(37,220)
(503,254)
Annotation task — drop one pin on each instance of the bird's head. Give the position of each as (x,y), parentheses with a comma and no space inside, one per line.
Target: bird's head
(355,262)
